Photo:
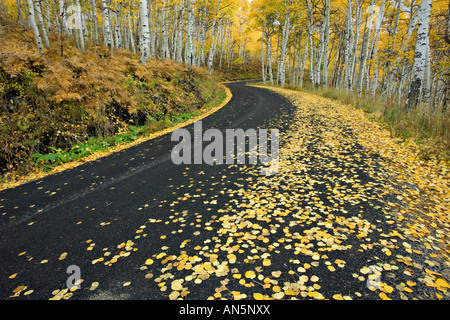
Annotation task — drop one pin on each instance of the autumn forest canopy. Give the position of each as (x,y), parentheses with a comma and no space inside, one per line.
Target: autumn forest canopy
(397,52)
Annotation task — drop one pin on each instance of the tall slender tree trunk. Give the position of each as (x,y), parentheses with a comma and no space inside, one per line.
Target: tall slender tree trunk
(269,56)
(284,40)
(107,26)
(64,17)
(34,26)
(212,48)
(130,34)
(420,57)
(374,47)
(48,16)
(355,42)
(348,48)
(189,35)
(42,27)
(79,24)
(303,62)
(365,49)
(145,32)
(310,40)
(95,22)
(446,103)
(165,53)
(263,67)
(326,43)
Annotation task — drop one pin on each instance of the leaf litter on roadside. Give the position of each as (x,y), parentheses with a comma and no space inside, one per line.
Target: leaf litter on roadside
(350,214)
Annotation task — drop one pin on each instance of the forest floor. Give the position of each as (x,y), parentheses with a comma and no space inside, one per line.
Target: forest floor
(350,214)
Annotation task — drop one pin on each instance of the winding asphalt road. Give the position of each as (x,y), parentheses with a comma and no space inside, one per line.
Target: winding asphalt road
(86,213)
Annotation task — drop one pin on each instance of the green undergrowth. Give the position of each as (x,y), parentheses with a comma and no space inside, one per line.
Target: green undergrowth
(58,156)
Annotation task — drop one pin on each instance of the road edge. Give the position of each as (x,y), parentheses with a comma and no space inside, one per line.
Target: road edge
(101,154)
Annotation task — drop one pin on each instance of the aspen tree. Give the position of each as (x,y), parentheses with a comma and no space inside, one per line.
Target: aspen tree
(213,46)
(326,42)
(420,57)
(145,33)
(34,26)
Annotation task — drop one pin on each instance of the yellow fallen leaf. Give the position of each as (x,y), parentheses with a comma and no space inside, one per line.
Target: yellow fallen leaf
(231,258)
(410,283)
(28,292)
(149,262)
(94,286)
(258,296)
(384,296)
(388,289)
(159,256)
(174,295)
(266,262)
(442,283)
(177,285)
(278,295)
(276,274)
(13,276)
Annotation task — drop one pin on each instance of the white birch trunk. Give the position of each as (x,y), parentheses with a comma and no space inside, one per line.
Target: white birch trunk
(348,48)
(410,29)
(263,68)
(420,57)
(145,32)
(426,86)
(130,34)
(374,46)
(117,32)
(179,54)
(189,39)
(355,42)
(107,34)
(79,25)
(269,56)
(365,49)
(319,56)
(48,16)
(34,26)
(285,37)
(165,53)
(303,62)
(152,23)
(326,43)
(212,48)
(94,20)
(42,27)
(64,16)
(310,40)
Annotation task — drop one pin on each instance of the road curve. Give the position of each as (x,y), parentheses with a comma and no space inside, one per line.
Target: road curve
(98,216)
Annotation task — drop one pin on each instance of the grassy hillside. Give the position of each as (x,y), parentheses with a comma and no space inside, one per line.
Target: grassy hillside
(55,109)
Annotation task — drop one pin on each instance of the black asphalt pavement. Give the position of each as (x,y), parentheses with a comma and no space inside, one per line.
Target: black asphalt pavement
(76,216)
(334,223)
